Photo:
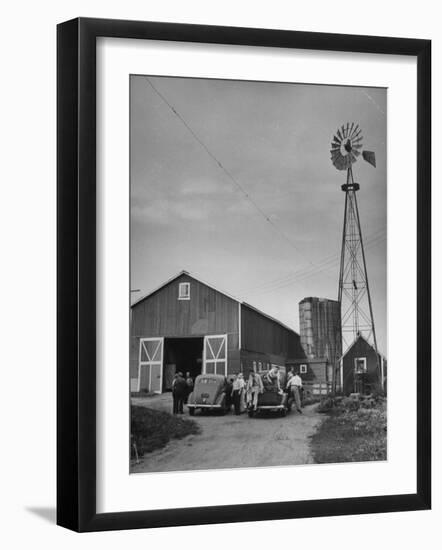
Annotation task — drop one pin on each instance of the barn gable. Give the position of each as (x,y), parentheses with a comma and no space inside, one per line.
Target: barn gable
(205,311)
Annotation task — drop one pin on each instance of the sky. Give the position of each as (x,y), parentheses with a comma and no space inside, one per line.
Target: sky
(232,181)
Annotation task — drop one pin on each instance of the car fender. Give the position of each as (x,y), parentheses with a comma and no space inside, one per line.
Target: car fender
(220,398)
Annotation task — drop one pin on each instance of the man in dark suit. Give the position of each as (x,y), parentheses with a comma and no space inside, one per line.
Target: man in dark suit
(179,390)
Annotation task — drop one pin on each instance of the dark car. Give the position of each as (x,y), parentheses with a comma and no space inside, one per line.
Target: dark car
(272,399)
(209,393)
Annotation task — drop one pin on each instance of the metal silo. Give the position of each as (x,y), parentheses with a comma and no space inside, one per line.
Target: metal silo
(320,328)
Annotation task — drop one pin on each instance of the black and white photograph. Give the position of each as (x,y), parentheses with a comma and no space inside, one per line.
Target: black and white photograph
(258,274)
(220,221)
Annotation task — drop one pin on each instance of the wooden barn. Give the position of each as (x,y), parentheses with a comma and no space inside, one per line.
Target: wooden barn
(187,325)
(359,368)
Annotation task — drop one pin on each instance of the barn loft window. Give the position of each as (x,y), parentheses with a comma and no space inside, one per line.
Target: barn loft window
(303,369)
(360,365)
(184,291)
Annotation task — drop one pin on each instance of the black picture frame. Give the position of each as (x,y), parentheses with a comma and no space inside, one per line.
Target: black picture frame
(76,273)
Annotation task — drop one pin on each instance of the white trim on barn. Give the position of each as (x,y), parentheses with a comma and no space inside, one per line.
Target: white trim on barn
(382,373)
(239,325)
(184,291)
(213,355)
(360,361)
(154,361)
(341,368)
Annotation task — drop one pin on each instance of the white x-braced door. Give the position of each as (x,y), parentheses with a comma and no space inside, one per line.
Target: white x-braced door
(215,354)
(150,365)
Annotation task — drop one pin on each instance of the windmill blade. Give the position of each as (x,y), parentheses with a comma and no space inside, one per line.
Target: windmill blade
(337,161)
(339,164)
(349,136)
(354,131)
(370,157)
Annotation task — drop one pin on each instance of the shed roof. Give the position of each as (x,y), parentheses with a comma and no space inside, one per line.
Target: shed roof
(359,337)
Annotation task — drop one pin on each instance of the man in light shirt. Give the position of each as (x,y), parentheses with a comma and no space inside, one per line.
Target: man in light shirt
(294,385)
(237,392)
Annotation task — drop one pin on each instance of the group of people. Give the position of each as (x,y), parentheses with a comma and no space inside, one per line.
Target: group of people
(182,387)
(241,391)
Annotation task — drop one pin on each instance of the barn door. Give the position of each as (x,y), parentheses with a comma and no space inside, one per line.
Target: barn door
(215,354)
(150,365)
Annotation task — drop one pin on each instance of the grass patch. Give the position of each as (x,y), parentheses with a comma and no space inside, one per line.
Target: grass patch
(351,434)
(152,429)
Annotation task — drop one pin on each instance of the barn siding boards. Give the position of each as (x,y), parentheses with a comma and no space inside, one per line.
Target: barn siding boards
(360,348)
(207,312)
(264,335)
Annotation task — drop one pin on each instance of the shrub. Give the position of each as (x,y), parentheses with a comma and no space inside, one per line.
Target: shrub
(352,432)
(326,405)
(152,429)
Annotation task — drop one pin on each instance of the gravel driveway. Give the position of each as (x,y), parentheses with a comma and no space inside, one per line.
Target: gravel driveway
(233,441)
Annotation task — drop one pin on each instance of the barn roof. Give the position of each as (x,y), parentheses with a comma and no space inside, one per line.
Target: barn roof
(181,273)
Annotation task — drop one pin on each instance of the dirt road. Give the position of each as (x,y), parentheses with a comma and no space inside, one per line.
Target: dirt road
(233,441)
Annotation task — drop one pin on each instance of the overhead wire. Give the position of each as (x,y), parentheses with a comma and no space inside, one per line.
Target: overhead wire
(228,173)
(325,264)
(300,274)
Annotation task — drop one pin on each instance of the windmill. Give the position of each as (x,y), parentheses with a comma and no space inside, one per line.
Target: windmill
(354,291)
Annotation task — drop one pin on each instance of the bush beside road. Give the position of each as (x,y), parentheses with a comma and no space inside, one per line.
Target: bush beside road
(355,431)
(152,429)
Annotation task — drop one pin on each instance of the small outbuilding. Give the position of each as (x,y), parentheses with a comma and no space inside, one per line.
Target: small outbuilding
(190,326)
(361,369)
(316,375)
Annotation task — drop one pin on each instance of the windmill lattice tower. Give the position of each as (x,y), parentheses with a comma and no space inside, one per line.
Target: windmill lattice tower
(354,291)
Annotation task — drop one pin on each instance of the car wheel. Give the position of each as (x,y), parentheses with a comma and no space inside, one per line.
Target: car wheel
(284,412)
